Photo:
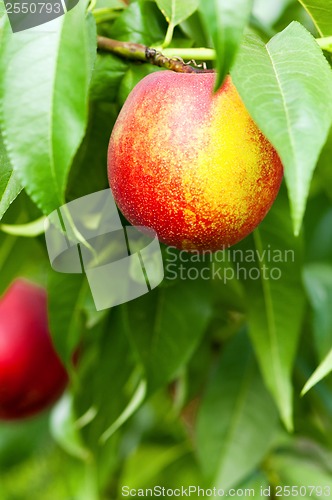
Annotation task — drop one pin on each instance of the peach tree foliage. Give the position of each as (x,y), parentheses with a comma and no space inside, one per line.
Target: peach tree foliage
(199,381)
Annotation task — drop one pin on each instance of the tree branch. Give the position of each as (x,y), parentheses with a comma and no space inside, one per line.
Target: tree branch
(138,52)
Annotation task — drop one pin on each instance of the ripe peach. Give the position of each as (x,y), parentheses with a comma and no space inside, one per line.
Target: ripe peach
(191,164)
(31,374)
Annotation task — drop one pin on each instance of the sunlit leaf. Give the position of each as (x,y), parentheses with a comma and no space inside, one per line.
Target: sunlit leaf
(44,110)
(286,86)
(321,14)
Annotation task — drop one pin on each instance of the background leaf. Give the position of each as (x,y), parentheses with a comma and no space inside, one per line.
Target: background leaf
(29,230)
(193,28)
(286,86)
(108,73)
(237,420)
(131,78)
(275,303)
(44,111)
(21,257)
(177,11)
(105,392)
(226,22)
(64,430)
(141,22)
(66,295)
(318,283)
(324,369)
(321,13)
(163,335)
(299,471)
(89,173)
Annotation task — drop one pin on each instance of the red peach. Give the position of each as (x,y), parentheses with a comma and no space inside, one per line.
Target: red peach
(32,376)
(191,164)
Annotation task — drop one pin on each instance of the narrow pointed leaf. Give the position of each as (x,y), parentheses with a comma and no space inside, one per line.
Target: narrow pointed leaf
(106,347)
(133,405)
(226,21)
(65,431)
(237,420)
(276,304)
(318,283)
(29,230)
(286,86)
(324,369)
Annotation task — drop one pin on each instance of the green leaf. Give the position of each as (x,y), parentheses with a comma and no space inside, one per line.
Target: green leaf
(298,471)
(271,274)
(324,167)
(133,405)
(110,384)
(65,431)
(141,22)
(107,10)
(256,483)
(177,11)
(111,4)
(226,22)
(156,458)
(20,442)
(66,295)
(325,43)
(108,73)
(324,369)
(285,86)
(133,75)
(319,247)
(318,283)
(10,186)
(165,326)
(321,13)
(89,173)
(237,420)
(44,110)
(21,258)
(193,29)
(2,9)
(29,230)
